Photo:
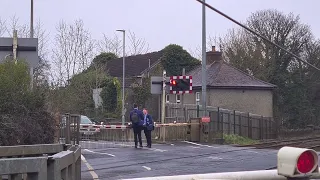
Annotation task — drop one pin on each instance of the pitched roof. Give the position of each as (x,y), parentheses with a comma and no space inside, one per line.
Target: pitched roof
(222,75)
(134,65)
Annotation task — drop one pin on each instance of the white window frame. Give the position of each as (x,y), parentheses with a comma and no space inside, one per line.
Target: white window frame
(178,100)
(167,98)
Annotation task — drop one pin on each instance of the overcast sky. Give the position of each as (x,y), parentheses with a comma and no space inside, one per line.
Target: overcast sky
(160,22)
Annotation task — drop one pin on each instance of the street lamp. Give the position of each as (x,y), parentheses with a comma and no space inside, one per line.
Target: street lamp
(123,71)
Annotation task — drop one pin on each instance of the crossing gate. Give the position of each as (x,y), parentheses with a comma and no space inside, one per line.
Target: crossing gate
(74,129)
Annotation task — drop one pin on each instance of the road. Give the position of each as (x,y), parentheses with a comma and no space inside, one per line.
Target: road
(120,160)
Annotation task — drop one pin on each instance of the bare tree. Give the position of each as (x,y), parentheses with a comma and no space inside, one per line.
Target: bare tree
(114,45)
(73,50)
(137,45)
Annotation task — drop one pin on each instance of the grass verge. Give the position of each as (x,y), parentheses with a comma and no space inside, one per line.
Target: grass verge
(236,139)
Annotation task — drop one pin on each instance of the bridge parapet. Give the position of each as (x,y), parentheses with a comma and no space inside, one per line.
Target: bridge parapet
(40,162)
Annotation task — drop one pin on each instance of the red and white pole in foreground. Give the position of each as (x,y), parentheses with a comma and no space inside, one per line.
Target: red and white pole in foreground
(243,175)
(293,163)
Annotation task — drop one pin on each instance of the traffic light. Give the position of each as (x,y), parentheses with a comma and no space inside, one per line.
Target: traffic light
(180,84)
(297,162)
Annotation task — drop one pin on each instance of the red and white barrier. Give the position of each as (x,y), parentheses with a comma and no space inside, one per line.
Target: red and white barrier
(156,125)
(114,127)
(174,124)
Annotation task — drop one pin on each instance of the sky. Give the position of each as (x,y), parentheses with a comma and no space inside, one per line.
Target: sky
(159,22)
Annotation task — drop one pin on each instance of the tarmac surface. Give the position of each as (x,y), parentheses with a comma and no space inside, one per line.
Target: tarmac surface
(120,160)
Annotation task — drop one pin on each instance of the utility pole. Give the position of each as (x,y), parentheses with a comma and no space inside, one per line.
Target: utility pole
(163,103)
(204,61)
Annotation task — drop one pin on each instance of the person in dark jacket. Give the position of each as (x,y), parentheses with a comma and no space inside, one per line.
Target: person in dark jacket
(148,126)
(136,118)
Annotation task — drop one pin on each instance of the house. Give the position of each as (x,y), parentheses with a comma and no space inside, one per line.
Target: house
(229,88)
(136,67)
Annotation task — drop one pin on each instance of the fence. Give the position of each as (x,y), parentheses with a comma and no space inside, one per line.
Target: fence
(40,162)
(224,121)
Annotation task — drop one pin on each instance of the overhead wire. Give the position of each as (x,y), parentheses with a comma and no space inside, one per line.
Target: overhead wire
(257,34)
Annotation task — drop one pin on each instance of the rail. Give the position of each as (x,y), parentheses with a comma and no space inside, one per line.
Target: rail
(40,162)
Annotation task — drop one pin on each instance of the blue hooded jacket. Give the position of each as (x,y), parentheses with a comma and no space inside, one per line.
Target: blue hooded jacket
(148,122)
(140,113)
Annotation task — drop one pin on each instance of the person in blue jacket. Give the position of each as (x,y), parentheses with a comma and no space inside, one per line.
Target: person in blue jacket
(148,126)
(136,118)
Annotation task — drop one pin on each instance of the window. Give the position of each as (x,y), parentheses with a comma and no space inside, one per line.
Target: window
(178,98)
(85,120)
(167,98)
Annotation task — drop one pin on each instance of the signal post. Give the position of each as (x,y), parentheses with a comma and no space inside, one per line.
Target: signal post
(177,85)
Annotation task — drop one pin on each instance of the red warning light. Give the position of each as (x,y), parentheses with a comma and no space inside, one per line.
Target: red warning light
(305,162)
(174,82)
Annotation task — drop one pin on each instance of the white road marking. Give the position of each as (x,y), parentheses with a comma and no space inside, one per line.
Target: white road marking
(172,144)
(195,147)
(127,145)
(147,168)
(252,151)
(91,170)
(158,150)
(214,158)
(111,143)
(99,153)
(199,144)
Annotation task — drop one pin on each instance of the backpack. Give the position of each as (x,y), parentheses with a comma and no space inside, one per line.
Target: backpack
(135,118)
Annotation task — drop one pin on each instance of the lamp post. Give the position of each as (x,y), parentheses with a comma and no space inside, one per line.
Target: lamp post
(31,20)
(123,71)
(31,36)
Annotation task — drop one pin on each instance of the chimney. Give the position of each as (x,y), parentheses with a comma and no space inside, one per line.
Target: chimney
(214,56)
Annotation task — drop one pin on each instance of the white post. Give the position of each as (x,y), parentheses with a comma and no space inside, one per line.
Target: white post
(163,105)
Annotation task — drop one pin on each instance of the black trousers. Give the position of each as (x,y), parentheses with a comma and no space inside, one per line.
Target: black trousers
(137,135)
(147,133)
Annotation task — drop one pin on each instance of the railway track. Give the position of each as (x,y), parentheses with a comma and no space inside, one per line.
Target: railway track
(305,142)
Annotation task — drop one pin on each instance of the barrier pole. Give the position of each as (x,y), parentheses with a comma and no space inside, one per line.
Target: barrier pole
(243,175)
